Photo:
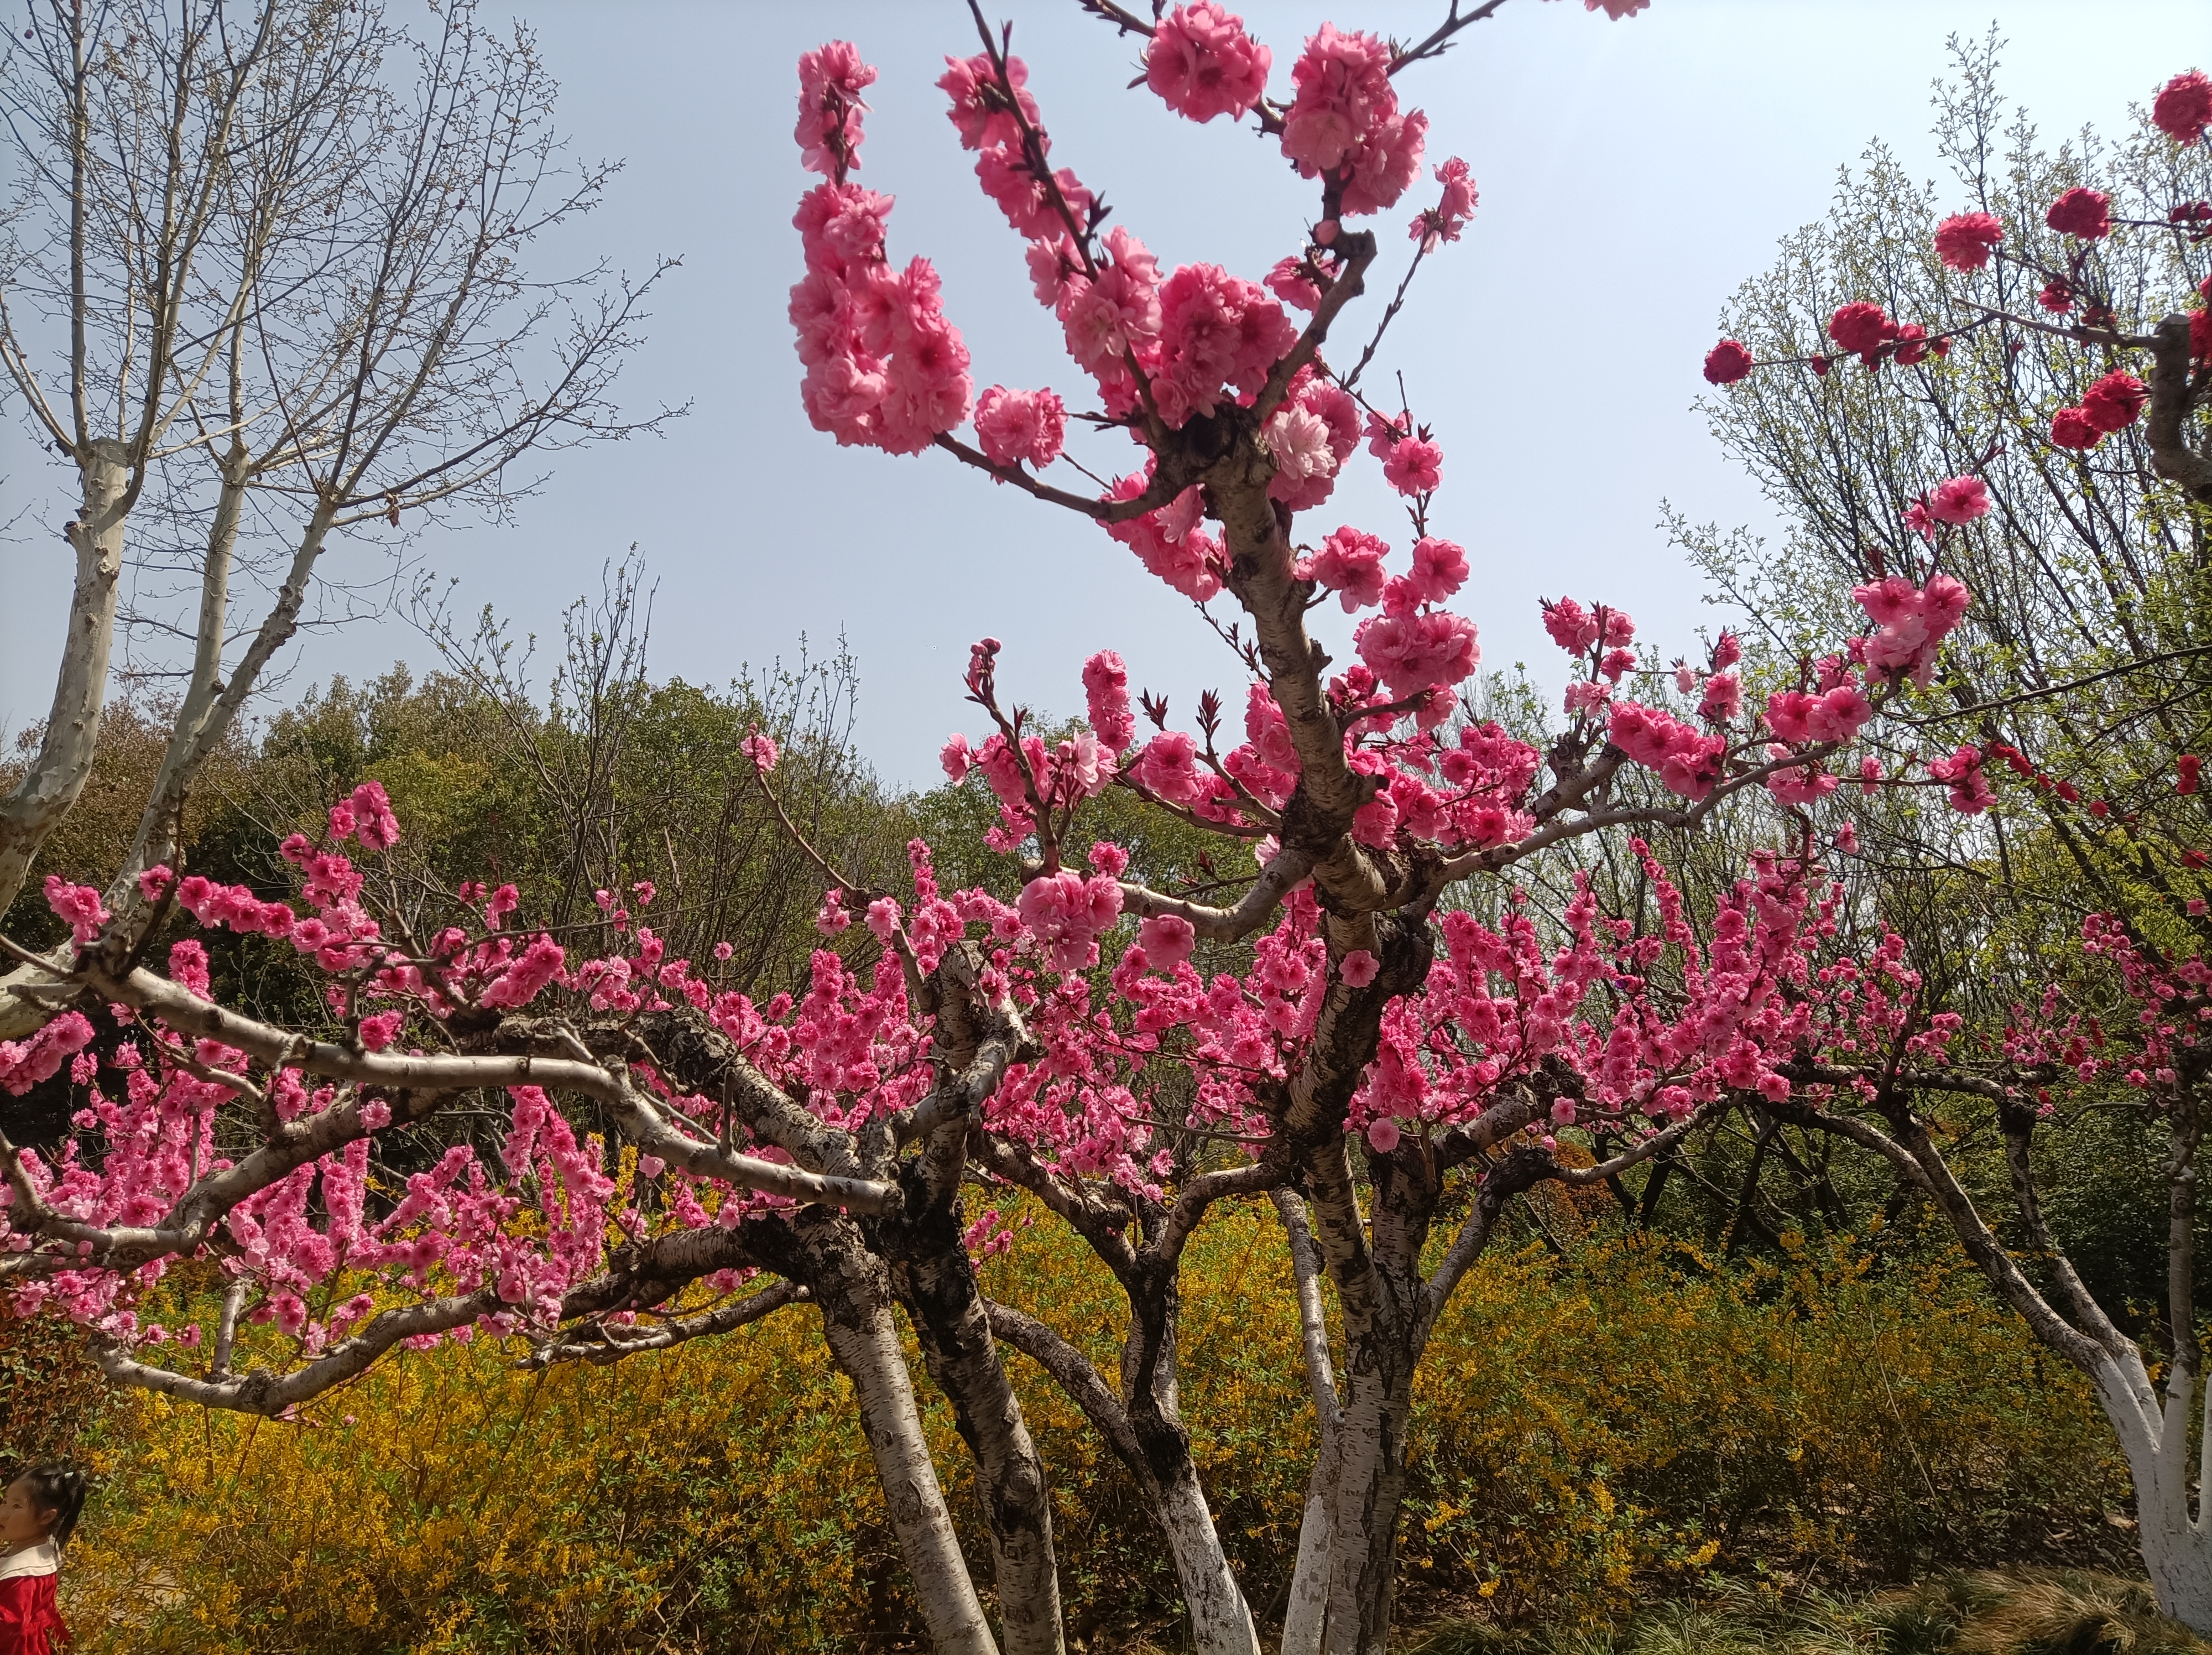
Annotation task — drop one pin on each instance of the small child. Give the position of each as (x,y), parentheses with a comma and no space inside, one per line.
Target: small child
(36,1516)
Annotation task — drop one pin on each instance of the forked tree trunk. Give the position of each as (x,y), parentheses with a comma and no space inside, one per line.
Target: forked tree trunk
(938,1285)
(1220,1619)
(853,1288)
(1380,1289)
(1157,1453)
(2177,1548)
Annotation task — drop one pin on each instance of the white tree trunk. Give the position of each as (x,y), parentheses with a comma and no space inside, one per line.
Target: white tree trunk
(37,804)
(2177,1548)
(1220,1621)
(1306,1617)
(867,1349)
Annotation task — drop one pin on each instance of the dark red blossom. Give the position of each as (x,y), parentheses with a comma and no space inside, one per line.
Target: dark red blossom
(2184,106)
(1727,363)
(2082,212)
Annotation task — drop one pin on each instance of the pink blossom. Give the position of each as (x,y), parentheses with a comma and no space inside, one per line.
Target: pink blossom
(1202,63)
(1837,714)
(1299,440)
(1168,540)
(1358,968)
(377,1031)
(39,1056)
(1965,240)
(1066,912)
(1969,791)
(1167,940)
(985,123)
(1119,312)
(1958,499)
(1443,222)
(1799,784)
(1011,426)
(1168,767)
(956,758)
(1216,330)
(1344,122)
(1106,693)
(1269,733)
(1722,698)
(80,905)
(522,981)
(1415,467)
(1344,91)
(831,78)
(1440,569)
(1572,627)
(1323,445)
(1350,563)
(1862,328)
(761,748)
(1410,653)
(1383,1135)
(1289,282)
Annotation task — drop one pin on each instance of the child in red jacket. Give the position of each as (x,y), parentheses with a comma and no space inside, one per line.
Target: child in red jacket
(37,1513)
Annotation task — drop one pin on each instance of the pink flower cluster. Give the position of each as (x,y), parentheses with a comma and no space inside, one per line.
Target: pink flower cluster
(1310,435)
(2112,404)
(40,1055)
(1202,63)
(1106,696)
(1066,914)
(1218,332)
(1169,540)
(831,78)
(884,368)
(1443,222)
(1687,759)
(1911,624)
(1007,165)
(1343,125)
(1108,317)
(1965,241)
(1962,774)
(1014,426)
(78,904)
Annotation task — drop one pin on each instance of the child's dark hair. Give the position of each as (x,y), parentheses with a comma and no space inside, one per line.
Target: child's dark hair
(60,1489)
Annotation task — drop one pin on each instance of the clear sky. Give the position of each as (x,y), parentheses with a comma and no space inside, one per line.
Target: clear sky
(1631,174)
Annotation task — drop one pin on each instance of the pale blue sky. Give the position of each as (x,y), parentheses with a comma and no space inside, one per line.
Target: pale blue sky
(1631,174)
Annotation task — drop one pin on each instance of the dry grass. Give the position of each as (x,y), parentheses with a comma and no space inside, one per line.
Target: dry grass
(1985,1612)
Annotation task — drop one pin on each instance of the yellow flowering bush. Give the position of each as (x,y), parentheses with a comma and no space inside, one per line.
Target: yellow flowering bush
(1630,1414)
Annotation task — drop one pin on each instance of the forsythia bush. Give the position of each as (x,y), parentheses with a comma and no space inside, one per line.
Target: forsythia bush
(1628,1414)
